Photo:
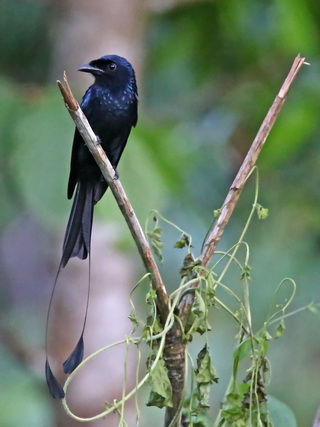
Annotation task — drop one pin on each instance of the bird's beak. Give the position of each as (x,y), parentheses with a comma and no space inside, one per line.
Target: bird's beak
(87,68)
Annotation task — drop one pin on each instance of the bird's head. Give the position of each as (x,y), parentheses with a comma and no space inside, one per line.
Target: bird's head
(111,70)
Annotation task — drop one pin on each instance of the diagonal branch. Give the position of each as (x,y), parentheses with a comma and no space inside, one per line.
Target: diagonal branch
(127,211)
(237,186)
(250,160)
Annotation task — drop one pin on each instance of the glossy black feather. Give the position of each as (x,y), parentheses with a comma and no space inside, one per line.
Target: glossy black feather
(110,105)
(78,234)
(55,388)
(75,358)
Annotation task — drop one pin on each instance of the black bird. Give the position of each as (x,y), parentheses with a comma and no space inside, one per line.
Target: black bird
(110,105)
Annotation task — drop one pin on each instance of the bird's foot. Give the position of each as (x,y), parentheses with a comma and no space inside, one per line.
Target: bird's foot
(116,174)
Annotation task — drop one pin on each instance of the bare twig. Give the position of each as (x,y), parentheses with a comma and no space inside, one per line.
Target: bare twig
(236,188)
(119,194)
(250,160)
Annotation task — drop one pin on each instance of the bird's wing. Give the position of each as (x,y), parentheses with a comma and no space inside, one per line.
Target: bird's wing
(74,167)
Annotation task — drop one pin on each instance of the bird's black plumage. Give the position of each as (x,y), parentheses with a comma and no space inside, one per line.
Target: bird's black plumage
(110,105)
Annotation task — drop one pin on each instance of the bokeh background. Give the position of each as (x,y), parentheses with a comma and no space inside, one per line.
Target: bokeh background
(207,73)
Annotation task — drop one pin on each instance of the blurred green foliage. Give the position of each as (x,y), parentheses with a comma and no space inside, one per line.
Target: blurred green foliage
(22,397)
(212,70)
(25,42)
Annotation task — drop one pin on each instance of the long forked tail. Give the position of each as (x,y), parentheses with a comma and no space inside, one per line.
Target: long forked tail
(78,233)
(76,243)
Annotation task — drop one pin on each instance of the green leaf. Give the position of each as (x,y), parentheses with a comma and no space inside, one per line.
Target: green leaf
(155,236)
(216,213)
(182,242)
(205,372)
(246,272)
(211,292)
(198,324)
(242,350)
(134,320)
(198,317)
(195,415)
(199,306)
(261,211)
(161,390)
(204,395)
(280,329)
(151,328)
(243,389)
(232,410)
(189,263)
(146,334)
(280,414)
(205,375)
(156,327)
(266,336)
(151,296)
(199,420)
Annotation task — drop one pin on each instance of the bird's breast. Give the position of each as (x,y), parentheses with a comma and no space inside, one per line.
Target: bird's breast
(105,103)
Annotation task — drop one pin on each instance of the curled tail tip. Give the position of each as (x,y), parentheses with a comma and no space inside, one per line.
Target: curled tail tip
(54,386)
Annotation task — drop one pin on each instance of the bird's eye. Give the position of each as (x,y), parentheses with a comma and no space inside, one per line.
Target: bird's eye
(112,66)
